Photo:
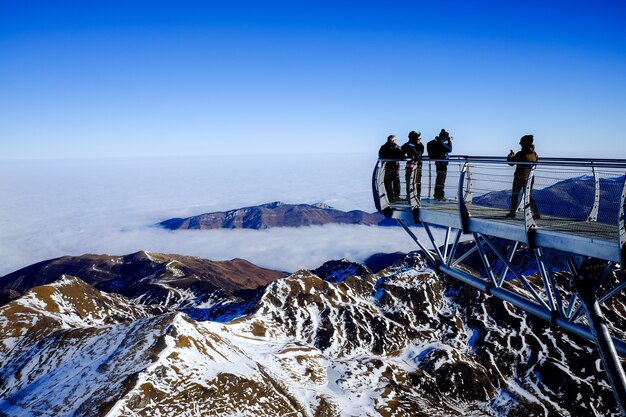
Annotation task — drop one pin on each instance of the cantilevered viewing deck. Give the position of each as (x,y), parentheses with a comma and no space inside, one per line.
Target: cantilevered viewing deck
(581,203)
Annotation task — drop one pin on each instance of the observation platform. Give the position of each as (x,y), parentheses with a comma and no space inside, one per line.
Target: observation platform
(580,202)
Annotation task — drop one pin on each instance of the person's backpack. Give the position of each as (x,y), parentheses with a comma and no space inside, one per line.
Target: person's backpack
(434,149)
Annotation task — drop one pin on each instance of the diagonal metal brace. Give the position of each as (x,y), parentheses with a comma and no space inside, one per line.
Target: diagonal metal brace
(425,251)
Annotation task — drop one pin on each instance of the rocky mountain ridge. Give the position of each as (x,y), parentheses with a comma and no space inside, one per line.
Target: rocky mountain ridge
(276,214)
(200,287)
(338,341)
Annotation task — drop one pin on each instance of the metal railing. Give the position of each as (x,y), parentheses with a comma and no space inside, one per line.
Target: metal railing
(563,195)
(417,181)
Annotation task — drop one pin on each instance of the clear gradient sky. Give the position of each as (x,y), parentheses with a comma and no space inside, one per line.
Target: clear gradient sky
(125,78)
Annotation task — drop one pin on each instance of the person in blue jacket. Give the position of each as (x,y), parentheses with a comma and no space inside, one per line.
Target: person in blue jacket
(438,149)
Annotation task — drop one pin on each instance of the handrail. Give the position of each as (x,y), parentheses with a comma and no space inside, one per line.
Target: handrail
(569,162)
(545,158)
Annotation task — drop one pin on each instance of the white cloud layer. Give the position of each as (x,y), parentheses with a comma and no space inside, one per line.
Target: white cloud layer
(53,208)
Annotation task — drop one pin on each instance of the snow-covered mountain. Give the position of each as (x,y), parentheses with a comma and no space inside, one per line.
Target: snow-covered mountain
(337,341)
(276,214)
(199,286)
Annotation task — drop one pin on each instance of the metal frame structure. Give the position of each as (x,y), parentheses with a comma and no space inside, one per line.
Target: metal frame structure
(585,262)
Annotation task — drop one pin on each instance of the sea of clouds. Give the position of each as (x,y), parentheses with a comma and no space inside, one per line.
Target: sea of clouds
(52,208)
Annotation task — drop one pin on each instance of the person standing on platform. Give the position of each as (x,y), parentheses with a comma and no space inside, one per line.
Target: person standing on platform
(522,171)
(391,150)
(438,149)
(413,150)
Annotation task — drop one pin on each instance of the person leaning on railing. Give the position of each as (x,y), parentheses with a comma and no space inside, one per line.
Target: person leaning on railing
(413,150)
(391,150)
(527,154)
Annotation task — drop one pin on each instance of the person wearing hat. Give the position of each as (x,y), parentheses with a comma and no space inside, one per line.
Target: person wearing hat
(391,150)
(527,154)
(413,150)
(438,150)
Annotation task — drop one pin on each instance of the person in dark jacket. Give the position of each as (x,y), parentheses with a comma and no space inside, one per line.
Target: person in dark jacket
(413,150)
(522,171)
(438,149)
(391,150)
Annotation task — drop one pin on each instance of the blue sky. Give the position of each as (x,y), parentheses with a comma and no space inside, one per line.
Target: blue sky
(123,78)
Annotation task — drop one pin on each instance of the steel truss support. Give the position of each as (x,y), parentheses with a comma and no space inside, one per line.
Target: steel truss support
(546,299)
(584,285)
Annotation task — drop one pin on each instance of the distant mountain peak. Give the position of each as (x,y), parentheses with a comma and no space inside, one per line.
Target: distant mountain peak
(276,214)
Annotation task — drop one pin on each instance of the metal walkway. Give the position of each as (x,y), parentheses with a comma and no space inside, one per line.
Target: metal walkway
(576,235)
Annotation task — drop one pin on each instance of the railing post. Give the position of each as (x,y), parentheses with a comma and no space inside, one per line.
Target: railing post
(463,212)
(415,195)
(375,188)
(469,191)
(621,224)
(529,221)
(593,214)
(381,199)
(430,178)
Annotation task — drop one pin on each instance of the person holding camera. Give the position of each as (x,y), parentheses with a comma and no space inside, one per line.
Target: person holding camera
(522,171)
(438,150)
